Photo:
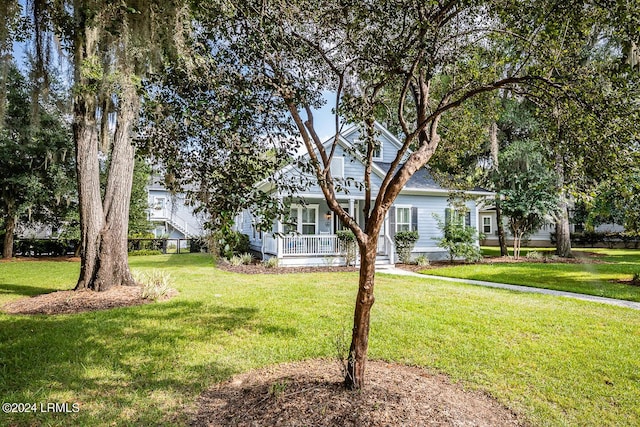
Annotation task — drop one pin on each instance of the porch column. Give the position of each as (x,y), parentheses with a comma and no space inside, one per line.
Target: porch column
(351,210)
(279,229)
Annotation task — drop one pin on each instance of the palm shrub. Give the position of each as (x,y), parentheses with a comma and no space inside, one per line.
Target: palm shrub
(405,241)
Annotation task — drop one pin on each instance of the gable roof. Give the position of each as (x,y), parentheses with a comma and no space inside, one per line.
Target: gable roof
(421,182)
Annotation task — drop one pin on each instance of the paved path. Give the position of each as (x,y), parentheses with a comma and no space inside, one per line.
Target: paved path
(603,300)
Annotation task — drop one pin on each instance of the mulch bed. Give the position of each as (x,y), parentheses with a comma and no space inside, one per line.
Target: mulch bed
(310,393)
(259,268)
(69,302)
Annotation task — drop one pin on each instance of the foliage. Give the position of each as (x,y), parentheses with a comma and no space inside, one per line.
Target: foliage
(139,224)
(145,252)
(459,240)
(37,168)
(271,262)
(528,191)
(155,283)
(231,243)
(534,255)
(405,242)
(616,201)
(422,260)
(348,246)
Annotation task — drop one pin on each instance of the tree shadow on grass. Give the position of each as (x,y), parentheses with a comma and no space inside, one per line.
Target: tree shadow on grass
(123,365)
(13,289)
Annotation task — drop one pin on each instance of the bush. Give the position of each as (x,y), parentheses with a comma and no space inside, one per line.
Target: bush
(636,278)
(534,255)
(348,246)
(142,252)
(155,284)
(422,261)
(459,240)
(271,262)
(231,243)
(197,245)
(246,258)
(405,242)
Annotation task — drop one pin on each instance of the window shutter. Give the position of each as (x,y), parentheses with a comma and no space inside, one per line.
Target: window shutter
(467,219)
(392,222)
(414,219)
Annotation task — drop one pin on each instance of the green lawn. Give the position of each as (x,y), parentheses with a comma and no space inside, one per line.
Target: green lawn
(592,279)
(555,361)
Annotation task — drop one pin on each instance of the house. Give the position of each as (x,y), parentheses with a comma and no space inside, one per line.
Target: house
(170,216)
(312,241)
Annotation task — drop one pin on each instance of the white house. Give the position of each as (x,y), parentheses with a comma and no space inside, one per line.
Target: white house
(170,216)
(313,240)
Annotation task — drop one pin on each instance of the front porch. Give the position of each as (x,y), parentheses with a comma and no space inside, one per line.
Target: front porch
(319,250)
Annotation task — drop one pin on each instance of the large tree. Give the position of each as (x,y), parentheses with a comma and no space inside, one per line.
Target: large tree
(437,55)
(111,47)
(36,161)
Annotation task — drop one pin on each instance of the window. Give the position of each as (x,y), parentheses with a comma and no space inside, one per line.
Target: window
(302,219)
(337,167)
(377,149)
(486,224)
(458,216)
(403,219)
(309,220)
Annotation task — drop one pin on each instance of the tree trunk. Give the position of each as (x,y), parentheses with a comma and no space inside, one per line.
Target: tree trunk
(502,241)
(103,224)
(10,229)
(357,358)
(563,235)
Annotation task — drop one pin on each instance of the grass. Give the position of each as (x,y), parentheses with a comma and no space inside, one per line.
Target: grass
(553,360)
(591,279)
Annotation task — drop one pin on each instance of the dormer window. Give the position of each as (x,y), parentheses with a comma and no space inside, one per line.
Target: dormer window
(377,150)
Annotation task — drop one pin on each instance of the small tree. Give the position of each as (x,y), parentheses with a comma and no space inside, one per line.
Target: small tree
(405,242)
(529,195)
(457,238)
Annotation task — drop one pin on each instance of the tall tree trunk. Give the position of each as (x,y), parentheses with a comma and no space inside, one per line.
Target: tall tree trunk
(502,240)
(357,357)
(9,229)
(103,225)
(563,235)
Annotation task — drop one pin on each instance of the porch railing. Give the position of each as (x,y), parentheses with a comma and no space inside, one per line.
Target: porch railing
(311,245)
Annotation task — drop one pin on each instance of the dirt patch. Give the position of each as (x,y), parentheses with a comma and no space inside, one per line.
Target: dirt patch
(311,393)
(69,302)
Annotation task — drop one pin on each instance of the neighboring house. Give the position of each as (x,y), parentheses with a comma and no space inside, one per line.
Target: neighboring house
(312,241)
(540,238)
(170,216)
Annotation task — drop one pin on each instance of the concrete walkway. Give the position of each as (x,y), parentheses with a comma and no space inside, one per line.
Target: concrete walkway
(603,300)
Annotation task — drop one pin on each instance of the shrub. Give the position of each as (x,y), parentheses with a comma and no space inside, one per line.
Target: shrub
(145,252)
(459,240)
(198,245)
(348,246)
(231,243)
(235,261)
(271,262)
(422,261)
(534,255)
(405,242)
(636,278)
(155,283)
(246,258)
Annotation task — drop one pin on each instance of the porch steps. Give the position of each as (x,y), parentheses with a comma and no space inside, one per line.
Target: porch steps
(382,262)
